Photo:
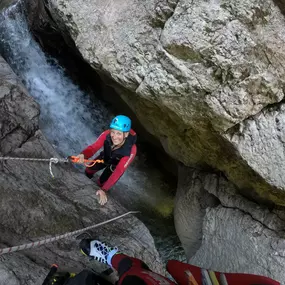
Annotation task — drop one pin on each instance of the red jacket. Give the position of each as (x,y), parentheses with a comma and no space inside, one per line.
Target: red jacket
(123,164)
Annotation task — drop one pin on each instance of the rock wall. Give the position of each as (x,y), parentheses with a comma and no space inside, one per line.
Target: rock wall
(221,230)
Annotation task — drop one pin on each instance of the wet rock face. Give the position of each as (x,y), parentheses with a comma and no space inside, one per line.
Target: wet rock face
(194,73)
(221,230)
(19,112)
(34,205)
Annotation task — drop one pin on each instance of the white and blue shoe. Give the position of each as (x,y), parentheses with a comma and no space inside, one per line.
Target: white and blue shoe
(98,250)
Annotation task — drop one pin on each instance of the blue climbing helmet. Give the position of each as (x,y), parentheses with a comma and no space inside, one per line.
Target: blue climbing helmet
(121,123)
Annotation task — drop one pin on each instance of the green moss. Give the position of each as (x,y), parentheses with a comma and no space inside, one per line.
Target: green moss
(165,207)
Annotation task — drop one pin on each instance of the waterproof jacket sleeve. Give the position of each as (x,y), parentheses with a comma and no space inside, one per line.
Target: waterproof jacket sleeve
(93,148)
(120,169)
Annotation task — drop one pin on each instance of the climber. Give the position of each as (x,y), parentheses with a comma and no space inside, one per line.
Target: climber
(133,271)
(119,151)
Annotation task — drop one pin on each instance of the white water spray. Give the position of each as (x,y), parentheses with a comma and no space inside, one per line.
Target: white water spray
(68,117)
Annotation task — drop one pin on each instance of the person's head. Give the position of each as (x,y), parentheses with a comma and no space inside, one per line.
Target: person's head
(119,129)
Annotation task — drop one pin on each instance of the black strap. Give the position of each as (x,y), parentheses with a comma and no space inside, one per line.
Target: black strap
(52,271)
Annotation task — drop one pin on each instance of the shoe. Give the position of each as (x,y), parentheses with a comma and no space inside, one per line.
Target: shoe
(98,250)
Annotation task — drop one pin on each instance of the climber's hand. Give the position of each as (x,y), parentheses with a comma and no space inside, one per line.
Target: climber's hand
(102,197)
(80,158)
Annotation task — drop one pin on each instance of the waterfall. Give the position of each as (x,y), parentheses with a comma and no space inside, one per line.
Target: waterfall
(69,119)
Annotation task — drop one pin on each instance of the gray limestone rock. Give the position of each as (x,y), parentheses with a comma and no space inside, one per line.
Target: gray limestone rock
(223,231)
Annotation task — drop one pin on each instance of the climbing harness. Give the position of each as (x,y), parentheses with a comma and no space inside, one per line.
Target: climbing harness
(55,160)
(55,238)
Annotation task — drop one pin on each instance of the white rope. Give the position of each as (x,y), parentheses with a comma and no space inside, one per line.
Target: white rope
(55,161)
(50,160)
(55,238)
(33,159)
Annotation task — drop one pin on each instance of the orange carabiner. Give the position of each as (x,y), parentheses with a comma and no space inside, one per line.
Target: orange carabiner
(87,162)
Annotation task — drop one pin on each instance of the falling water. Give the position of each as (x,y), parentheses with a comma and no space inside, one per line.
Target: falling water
(67,113)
